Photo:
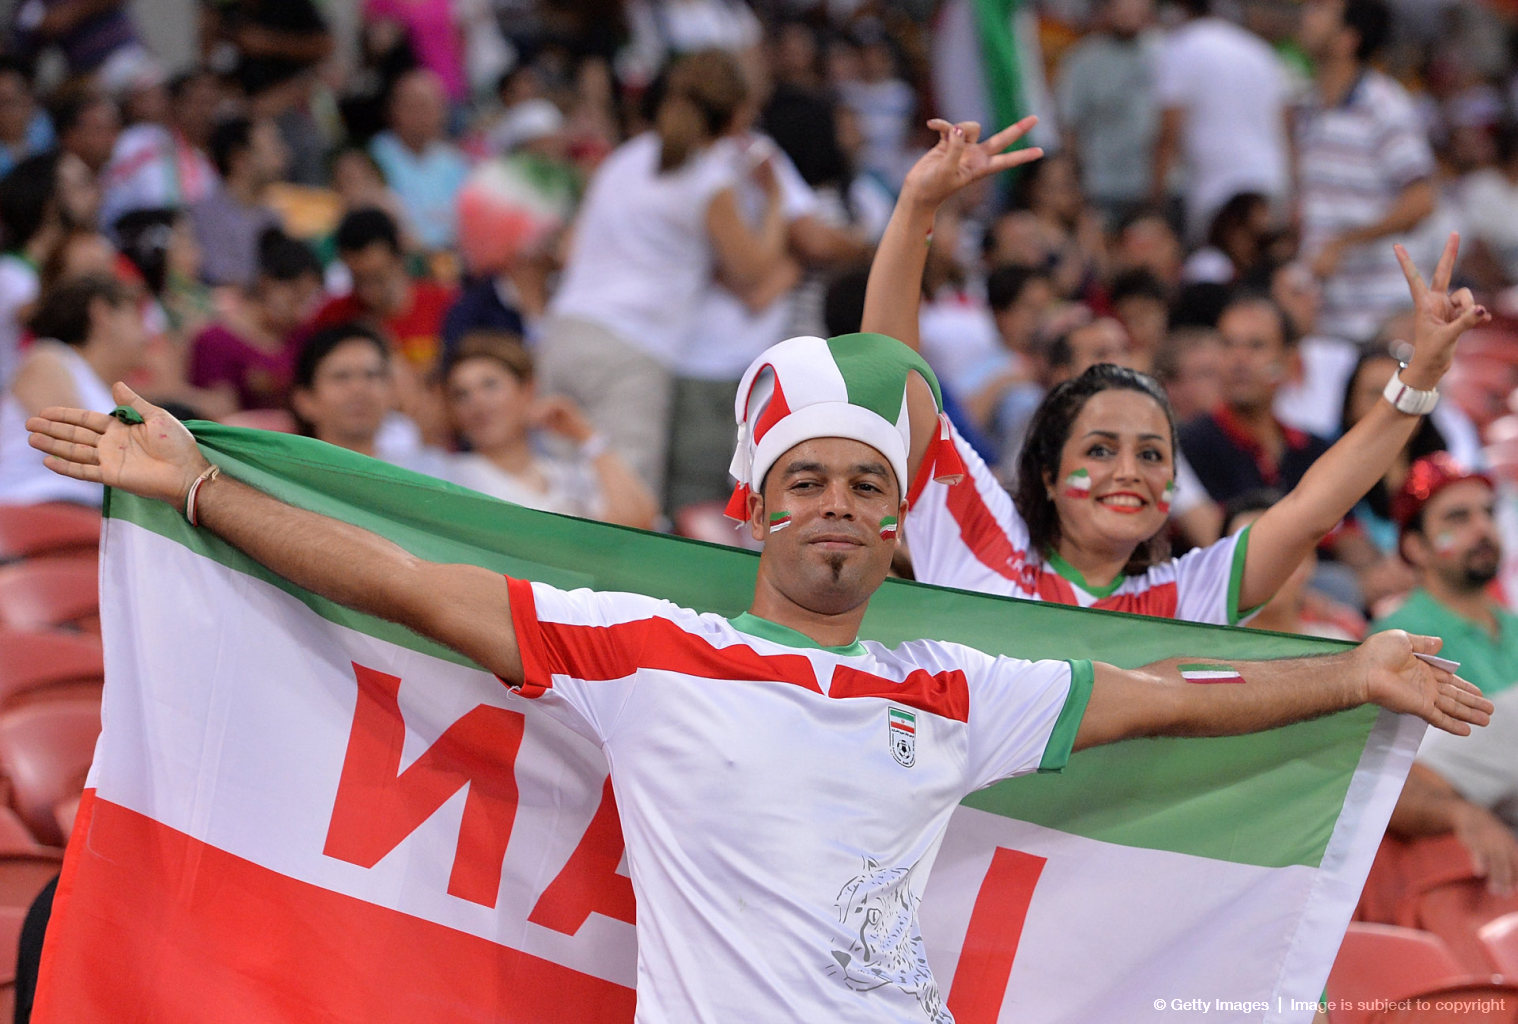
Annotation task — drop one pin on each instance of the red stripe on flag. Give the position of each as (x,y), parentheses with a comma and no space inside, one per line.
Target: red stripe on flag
(996,927)
(151,926)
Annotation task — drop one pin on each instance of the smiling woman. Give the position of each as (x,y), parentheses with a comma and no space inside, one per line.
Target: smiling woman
(1097,473)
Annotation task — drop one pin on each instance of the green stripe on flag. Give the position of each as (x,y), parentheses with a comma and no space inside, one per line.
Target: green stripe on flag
(1001,67)
(1241,798)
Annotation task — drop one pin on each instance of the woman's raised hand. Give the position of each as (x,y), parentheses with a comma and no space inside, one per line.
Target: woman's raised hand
(960,158)
(1439,317)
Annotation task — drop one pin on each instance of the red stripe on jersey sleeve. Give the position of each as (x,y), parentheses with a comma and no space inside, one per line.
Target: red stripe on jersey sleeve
(537,675)
(945,694)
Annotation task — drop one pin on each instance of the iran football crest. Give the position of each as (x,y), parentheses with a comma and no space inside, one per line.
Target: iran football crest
(901,732)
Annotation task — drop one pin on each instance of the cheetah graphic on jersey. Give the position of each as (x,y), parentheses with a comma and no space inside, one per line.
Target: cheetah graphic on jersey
(879,912)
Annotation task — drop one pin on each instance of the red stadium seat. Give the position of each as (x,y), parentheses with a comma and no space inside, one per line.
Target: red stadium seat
(24,873)
(1382,970)
(43,664)
(1500,936)
(11,919)
(48,592)
(27,531)
(46,750)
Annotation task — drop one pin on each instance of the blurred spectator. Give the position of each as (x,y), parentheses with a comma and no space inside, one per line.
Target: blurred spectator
(250,353)
(249,155)
(1001,387)
(1312,396)
(156,165)
(433,37)
(494,407)
(1108,108)
(1236,242)
(1141,304)
(419,163)
(1448,533)
(268,45)
(534,125)
(24,127)
(1067,231)
(1363,168)
(90,334)
(1490,201)
(33,222)
(93,35)
(1223,93)
(1190,365)
(88,123)
(883,102)
(344,393)
(659,219)
(1148,242)
(661,31)
(1240,446)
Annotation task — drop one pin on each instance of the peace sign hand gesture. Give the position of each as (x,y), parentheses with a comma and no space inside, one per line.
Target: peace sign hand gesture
(1439,317)
(960,158)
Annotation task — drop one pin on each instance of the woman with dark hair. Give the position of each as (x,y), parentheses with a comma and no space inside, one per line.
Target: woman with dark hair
(1096,477)
(89,333)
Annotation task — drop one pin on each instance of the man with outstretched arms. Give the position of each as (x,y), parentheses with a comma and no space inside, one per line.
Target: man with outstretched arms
(847,756)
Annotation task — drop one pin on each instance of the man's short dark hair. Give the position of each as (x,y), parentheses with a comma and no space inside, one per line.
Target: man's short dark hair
(1371,21)
(1006,284)
(1289,335)
(282,258)
(229,137)
(321,344)
(362,228)
(1138,283)
(70,105)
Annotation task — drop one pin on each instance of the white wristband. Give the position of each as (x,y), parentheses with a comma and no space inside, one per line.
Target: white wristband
(1410,400)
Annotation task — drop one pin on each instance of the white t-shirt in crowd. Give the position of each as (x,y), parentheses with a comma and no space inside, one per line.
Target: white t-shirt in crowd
(783,802)
(1489,199)
(1232,90)
(24,480)
(725,334)
(641,257)
(572,488)
(1316,402)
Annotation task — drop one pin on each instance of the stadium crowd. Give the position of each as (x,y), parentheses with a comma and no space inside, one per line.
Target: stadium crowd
(530,246)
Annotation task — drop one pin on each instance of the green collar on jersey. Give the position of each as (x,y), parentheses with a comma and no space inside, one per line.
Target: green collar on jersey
(775,633)
(1071,573)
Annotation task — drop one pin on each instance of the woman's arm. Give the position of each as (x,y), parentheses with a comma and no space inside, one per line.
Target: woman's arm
(1284,535)
(895,289)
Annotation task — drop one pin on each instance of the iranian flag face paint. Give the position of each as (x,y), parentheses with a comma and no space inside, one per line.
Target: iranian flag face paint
(1444,544)
(1209,672)
(1167,498)
(779,521)
(1078,484)
(888,528)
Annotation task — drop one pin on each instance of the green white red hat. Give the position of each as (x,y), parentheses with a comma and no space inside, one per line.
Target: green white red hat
(852,386)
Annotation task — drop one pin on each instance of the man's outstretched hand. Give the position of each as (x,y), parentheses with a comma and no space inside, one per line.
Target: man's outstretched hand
(156,458)
(1398,680)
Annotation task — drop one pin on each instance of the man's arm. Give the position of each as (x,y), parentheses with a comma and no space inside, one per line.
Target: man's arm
(894,292)
(1430,806)
(1407,210)
(1287,531)
(461,606)
(1170,698)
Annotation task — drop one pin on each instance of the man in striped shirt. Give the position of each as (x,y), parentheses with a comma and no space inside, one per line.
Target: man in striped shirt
(1363,168)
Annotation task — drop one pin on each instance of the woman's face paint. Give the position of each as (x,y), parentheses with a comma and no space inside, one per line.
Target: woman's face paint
(1167,498)
(779,521)
(1078,484)
(888,528)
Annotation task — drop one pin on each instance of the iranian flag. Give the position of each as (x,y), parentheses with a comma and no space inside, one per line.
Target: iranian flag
(298,813)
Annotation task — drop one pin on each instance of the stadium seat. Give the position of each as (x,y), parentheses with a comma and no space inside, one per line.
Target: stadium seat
(46,750)
(1500,936)
(1382,970)
(23,873)
(27,531)
(43,664)
(48,592)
